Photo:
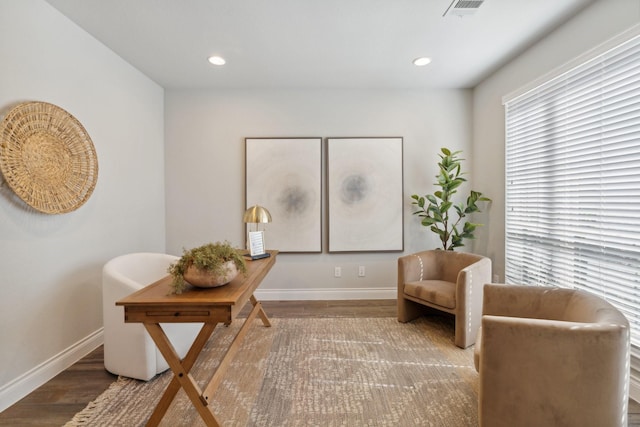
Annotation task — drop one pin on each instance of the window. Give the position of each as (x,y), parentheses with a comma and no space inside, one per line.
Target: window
(573,182)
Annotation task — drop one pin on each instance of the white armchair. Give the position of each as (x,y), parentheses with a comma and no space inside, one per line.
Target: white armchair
(128,349)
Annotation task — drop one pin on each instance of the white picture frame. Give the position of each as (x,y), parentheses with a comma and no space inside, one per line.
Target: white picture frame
(256,243)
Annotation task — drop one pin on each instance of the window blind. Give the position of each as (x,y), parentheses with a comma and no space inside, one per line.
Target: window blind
(573,182)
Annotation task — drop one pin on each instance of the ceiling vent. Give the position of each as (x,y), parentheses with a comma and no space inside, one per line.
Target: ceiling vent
(463,7)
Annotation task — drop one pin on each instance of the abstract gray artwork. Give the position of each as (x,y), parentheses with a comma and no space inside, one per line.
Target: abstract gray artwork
(365,203)
(284,175)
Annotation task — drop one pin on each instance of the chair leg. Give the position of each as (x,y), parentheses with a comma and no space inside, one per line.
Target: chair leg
(409,310)
(465,334)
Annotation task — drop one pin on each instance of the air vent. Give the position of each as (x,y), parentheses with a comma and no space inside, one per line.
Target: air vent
(463,7)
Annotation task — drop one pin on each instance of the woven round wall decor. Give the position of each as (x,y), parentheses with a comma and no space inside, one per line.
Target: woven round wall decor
(47,157)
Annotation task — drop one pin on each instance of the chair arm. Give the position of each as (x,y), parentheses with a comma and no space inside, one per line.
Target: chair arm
(585,367)
(473,276)
(469,290)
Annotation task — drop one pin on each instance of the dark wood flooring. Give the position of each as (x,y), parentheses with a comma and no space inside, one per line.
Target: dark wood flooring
(57,401)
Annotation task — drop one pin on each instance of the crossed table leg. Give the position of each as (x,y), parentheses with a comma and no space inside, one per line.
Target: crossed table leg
(182,377)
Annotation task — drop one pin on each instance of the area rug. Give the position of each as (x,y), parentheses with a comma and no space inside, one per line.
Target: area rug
(316,372)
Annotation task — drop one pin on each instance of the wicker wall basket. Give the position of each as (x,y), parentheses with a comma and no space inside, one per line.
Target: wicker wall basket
(47,157)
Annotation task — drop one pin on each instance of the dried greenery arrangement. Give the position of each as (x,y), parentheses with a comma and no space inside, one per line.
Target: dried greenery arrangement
(211,258)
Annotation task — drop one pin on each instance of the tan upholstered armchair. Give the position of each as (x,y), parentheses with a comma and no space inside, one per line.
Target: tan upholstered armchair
(549,357)
(447,281)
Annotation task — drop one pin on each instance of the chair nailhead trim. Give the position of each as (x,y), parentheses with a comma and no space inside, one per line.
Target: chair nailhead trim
(421,267)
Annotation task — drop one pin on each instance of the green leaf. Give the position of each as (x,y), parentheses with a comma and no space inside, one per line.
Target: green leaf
(445,151)
(472,209)
(456,242)
(437,230)
(458,166)
(455,183)
(468,227)
(443,174)
(427,221)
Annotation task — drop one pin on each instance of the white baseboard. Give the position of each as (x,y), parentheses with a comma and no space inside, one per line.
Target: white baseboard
(18,388)
(325,294)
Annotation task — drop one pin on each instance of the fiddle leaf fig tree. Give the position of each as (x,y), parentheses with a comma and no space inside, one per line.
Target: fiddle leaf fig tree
(438,211)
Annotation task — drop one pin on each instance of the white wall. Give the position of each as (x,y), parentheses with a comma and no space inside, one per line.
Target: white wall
(50,294)
(598,23)
(205,133)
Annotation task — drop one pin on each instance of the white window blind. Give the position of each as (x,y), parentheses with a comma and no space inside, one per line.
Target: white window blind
(573,182)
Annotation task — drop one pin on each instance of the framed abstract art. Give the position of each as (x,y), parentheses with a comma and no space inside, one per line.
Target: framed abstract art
(364,194)
(284,175)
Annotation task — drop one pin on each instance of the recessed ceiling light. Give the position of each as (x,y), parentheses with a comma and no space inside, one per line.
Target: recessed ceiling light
(217,60)
(422,61)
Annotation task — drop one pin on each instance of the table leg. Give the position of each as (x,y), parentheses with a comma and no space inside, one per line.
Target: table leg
(181,376)
(188,362)
(263,315)
(218,375)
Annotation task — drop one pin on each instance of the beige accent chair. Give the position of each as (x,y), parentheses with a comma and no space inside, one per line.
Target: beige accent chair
(128,349)
(551,357)
(447,281)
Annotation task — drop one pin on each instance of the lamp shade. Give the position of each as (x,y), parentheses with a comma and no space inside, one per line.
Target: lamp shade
(256,214)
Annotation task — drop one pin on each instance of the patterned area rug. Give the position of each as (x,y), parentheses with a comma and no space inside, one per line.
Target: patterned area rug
(317,372)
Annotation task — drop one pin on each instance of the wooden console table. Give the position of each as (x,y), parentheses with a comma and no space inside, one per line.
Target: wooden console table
(156,304)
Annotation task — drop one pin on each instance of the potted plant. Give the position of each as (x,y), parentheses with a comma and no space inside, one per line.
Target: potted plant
(210,265)
(435,209)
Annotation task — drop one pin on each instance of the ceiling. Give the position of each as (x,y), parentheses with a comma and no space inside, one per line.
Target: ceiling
(316,43)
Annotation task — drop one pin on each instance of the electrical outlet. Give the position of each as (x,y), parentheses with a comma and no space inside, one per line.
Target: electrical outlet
(361,271)
(337,272)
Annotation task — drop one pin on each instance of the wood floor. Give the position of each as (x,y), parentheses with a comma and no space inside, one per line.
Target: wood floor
(57,401)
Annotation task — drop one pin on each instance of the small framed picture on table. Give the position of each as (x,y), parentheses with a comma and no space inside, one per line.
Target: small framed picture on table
(256,245)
